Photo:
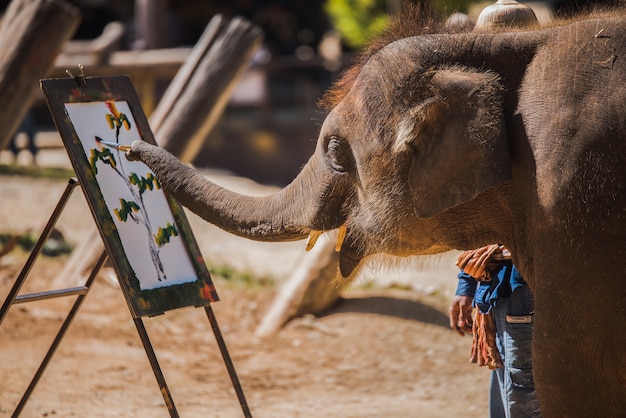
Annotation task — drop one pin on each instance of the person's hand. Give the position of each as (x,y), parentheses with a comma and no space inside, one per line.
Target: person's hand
(460,313)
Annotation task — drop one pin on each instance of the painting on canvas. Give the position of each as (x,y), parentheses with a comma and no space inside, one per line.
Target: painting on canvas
(145,231)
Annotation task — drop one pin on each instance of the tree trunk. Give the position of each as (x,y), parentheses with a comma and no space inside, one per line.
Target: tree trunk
(311,289)
(32,34)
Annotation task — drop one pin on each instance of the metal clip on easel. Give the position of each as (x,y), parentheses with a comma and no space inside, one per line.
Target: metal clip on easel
(80,79)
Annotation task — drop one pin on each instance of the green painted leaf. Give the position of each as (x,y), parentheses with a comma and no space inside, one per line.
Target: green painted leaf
(105,156)
(163,236)
(126,208)
(144,183)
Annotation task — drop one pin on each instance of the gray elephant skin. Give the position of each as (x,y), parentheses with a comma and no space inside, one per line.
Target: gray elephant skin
(454,141)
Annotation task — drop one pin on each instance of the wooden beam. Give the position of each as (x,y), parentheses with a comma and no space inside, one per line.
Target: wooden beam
(313,288)
(32,34)
(205,85)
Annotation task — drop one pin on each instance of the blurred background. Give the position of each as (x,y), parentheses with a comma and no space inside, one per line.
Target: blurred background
(269,127)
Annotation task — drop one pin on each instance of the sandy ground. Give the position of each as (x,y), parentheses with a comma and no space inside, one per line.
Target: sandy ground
(384,350)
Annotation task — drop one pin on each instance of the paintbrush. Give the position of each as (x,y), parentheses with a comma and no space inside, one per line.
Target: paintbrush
(113,145)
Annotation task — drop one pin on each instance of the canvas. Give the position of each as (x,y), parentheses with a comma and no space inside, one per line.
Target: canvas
(145,231)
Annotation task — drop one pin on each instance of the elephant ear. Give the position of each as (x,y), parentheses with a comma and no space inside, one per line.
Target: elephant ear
(457,139)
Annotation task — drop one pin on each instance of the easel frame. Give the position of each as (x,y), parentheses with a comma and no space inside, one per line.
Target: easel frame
(14,298)
(164,269)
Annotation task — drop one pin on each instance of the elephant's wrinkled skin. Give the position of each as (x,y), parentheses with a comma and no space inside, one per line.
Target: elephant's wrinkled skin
(461,140)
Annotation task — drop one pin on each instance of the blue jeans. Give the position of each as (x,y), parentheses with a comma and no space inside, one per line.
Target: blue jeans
(512,392)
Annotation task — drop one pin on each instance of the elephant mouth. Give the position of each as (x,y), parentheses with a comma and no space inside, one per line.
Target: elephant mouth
(349,259)
(349,254)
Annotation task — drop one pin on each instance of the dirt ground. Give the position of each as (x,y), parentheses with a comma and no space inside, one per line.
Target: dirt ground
(385,351)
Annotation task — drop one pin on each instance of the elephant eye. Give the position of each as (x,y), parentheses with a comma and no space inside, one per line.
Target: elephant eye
(339,154)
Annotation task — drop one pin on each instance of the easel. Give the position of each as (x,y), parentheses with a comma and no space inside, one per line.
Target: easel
(14,298)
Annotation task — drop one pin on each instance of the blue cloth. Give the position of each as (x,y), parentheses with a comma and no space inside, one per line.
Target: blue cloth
(504,281)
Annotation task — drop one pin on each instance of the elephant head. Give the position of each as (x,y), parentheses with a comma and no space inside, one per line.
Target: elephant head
(403,132)
(443,141)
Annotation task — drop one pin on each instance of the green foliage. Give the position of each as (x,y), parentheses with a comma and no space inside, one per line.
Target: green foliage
(240,279)
(163,236)
(125,209)
(52,247)
(357,20)
(106,156)
(144,183)
(35,172)
(56,247)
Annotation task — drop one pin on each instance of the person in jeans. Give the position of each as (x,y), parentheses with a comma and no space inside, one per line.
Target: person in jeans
(502,327)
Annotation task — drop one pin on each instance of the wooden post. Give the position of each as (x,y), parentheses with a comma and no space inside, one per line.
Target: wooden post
(185,115)
(207,81)
(311,289)
(151,24)
(32,34)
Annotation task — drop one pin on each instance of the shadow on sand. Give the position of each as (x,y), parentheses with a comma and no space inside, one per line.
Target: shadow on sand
(390,306)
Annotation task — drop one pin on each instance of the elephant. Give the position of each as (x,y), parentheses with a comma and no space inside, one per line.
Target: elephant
(441,141)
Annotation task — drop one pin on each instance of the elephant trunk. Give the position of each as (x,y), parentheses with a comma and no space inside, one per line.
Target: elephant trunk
(284,216)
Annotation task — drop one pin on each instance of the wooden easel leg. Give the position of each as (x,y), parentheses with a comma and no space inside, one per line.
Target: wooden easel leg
(227,361)
(60,335)
(72,183)
(167,397)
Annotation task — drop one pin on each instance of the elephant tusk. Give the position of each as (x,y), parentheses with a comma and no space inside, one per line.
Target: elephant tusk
(340,237)
(313,236)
